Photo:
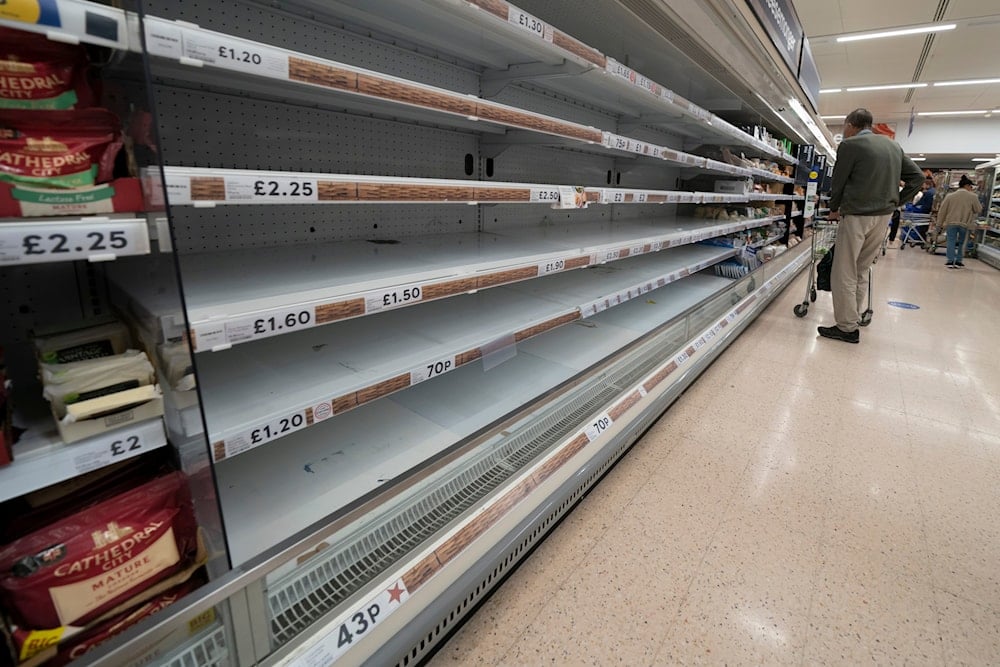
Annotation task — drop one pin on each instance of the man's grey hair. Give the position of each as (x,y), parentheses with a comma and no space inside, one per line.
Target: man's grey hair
(860,118)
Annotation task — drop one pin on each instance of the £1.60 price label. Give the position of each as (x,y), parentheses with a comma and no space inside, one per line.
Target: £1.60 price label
(27,243)
(393,298)
(431,370)
(598,426)
(272,323)
(271,189)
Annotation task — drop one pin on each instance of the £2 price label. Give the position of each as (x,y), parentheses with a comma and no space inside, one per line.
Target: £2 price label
(104,453)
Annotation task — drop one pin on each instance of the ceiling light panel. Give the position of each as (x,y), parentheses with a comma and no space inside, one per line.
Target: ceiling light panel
(919,30)
(891,86)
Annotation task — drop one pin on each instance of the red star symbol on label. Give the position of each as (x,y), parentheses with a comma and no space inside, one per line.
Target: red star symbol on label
(396,593)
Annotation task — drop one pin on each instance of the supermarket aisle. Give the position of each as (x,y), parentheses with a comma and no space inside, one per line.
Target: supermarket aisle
(806,502)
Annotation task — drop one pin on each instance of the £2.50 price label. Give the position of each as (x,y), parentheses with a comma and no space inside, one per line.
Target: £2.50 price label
(548,195)
(47,242)
(271,189)
(393,298)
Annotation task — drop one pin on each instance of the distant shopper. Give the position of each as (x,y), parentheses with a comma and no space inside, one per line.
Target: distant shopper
(958,214)
(923,202)
(865,191)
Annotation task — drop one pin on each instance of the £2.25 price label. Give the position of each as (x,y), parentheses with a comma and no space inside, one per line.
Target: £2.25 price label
(30,243)
(271,189)
(393,298)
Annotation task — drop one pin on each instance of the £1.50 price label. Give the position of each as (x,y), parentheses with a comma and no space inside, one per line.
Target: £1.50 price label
(271,189)
(48,242)
(393,298)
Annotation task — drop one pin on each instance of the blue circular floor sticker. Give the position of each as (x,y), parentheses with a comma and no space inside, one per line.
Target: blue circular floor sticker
(904,305)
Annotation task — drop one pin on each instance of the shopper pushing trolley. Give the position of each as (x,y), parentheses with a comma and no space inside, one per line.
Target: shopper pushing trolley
(865,192)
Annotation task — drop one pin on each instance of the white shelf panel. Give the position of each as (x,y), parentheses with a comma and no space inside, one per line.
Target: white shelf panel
(325,467)
(518,46)
(71,21)
(298,381)
(765,196)
(96,239)
(989,255)
(41,458)
(299,287)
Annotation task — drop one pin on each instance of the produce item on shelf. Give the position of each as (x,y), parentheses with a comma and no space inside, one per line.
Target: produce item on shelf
(176,357)
(82,389)
(59,646)
(79,341)
(79,568)
(38,73)
(58,149)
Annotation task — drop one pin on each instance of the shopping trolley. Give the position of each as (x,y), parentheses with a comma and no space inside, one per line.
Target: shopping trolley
(909,229)
(823,238)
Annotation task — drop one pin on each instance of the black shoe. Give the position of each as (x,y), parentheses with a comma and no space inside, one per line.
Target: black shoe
(959,264)
(837,334)
(950,265)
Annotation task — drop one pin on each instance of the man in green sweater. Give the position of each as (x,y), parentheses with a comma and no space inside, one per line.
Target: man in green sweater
(865,192)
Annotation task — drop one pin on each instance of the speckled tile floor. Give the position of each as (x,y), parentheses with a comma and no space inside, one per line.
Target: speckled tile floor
(806,502)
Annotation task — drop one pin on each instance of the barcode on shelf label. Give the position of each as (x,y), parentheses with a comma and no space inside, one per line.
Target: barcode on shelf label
(617,69)
(547,195)
(48,242)
(234,54)
(551,266)
(526,21)
(355,626)
(393,298)
(271,323)
(265,433)
(430,370)
(104,453)
(271,189)
(598,426)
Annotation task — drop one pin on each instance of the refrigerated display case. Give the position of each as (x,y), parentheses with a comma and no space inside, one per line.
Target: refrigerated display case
(427,270)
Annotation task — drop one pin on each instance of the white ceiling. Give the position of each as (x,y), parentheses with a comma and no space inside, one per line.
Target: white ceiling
(971,51)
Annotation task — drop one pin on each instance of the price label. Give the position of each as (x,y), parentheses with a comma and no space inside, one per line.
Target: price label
(681,358)
(610,256)
(431,370)
(656,246)
(105,453)
(265,433)
(271,190)
(642,391)
(684,240)
(646,84)
(640,197)
(234,54)
(527,22)
(636,250)
(547,195)
(551,266)
(667,94)
(700,343)
(617,69)
(598,426)
(272,323)
(613,197)
(393,298)
(48,242)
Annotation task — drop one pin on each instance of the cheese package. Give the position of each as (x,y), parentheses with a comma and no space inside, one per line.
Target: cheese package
(58,149)
(71,384)
(176,357)
(37,73)
(87,340)
(81,567)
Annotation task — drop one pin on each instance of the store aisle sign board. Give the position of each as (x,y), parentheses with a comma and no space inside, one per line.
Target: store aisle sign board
(779,19)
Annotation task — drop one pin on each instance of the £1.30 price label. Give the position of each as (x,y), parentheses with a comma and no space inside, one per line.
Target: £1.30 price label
(271,190)
(29,243)
(393,298)
(529,23)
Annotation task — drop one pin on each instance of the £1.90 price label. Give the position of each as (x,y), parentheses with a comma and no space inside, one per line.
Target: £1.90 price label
(358,623)
(265,433)
(394,298)
(28,243)
(526,21)
(551,266)
(272,323)
(431,370)
(547,195)
(598,426)
(271,189)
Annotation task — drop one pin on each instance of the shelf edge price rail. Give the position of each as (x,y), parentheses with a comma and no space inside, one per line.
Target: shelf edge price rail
(94,239)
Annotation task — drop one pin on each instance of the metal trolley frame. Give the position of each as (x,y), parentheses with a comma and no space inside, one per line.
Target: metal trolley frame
(823,238)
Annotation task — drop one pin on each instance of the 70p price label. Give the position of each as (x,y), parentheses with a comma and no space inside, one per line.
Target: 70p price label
(598,426)
(432,370)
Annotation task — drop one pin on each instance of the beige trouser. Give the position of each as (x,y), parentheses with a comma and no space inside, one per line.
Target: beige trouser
(859,238)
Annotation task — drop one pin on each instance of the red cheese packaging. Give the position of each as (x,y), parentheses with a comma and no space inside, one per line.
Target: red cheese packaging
(80,567)
(58,149)
(37,73)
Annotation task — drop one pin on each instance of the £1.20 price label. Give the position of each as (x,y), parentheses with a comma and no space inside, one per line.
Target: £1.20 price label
(234,54)
(265,433)
(393,298)
(271,189)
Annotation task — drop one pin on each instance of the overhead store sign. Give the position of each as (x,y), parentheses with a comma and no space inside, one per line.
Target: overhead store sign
(778,17)
(809,75)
